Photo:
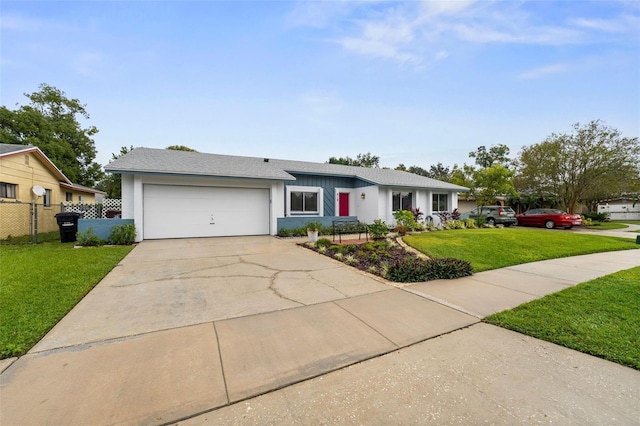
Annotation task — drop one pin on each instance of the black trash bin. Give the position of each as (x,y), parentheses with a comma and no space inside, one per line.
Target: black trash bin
(68,224)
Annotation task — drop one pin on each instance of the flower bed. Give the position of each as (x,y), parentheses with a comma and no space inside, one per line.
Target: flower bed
(387,259)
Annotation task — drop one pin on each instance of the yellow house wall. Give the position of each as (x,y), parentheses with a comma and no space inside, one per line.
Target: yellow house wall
(25,171)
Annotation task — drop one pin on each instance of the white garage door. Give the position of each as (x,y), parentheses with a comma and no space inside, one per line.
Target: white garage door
(196,211)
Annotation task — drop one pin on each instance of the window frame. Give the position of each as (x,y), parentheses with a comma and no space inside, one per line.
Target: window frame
(438,202)
(69,196)
(6,190)
(46,200)
(398,199)
(318,191)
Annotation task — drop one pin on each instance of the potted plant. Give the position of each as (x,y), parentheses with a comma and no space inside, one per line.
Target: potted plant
(312,233)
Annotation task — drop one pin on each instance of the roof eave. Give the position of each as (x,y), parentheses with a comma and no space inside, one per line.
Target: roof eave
(201,175)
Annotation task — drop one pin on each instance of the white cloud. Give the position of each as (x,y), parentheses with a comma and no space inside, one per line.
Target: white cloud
(12,22)
(544,71)
(623,24)
(417,31)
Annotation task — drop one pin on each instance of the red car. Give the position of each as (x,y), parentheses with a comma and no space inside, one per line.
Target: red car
(549,218)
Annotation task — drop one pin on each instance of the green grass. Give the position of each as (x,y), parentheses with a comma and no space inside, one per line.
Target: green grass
(498,248)
(599,317)
(604,226)
(40,283)
(46,237)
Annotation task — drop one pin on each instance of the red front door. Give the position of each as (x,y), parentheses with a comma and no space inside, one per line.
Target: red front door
(343,203)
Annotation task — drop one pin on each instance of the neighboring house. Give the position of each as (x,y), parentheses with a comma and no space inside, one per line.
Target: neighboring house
(620,209)
(21,168)
(177,194)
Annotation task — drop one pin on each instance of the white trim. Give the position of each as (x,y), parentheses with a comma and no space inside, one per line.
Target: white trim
(352,204)
(317,189)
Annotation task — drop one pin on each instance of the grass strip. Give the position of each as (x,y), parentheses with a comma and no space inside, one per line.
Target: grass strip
(599,317)
(488,248)
(40,283)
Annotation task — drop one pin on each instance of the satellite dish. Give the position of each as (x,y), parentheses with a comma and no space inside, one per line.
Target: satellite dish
(38,191)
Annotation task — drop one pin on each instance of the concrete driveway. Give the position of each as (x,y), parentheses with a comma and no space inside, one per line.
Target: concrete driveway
(166,284)
(181,327)
(245,330)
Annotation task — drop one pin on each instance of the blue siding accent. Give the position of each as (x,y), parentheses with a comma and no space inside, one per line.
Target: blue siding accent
(328,185)
(294,222)
(101,227)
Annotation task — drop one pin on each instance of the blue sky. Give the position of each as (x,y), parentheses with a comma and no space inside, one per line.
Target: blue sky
(413,82)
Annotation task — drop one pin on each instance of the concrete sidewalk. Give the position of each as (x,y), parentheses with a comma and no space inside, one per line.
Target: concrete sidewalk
(188,327)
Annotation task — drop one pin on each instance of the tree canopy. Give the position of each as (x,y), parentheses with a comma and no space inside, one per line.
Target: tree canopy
(437,171)
(592,162)
(485,184)
(51,122)
(112,182)
(497,154)
(181,148)
(362,160)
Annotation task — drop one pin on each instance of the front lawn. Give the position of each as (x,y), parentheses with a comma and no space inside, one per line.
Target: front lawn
(492,248)
(599,317)
(606,226)
(40,283)
(616,224)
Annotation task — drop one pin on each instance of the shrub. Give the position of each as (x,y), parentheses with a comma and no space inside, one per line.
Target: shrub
(323,242)
(123,235)
(407,270)
(595,216)
(350,248)
(448,268)
(89,238)
(586,221)
(404,218)
(338,256)
(350,260)
(378,229)
(412,269)
(283,232)
(470,223)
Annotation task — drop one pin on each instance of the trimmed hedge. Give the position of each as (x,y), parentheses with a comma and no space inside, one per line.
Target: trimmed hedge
(411,269)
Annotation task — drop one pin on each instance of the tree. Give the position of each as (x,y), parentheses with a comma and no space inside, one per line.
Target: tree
(594,161)
(485,184)
(112,182)
(437,171)
(493,177)
(51,122)
(181,148)
(362,160)
(497,154)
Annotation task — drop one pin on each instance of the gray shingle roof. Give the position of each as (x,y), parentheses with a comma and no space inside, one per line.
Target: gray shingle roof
(167,161)
(6,148)
(163,161)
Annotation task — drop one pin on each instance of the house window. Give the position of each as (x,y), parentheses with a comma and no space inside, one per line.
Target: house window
(304,200)
(8,190)
(402,201)
(47,198)
(69,196)
(80,199)
(439,202)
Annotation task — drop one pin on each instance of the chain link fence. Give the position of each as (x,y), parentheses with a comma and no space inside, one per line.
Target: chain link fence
(25,222)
